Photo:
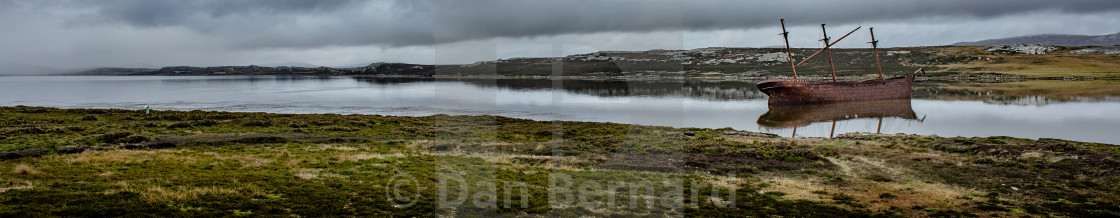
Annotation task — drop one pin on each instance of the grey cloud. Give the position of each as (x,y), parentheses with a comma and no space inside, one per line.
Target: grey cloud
(471,20)
(257,24)
(78,33)
(160,13)
(295,24)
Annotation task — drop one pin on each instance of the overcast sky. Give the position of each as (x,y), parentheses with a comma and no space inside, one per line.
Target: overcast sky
(37,35)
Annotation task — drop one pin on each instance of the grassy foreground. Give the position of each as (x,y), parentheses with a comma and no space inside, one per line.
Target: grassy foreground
(93,162)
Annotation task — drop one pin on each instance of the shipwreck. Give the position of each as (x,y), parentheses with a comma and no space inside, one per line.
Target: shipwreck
(800,91)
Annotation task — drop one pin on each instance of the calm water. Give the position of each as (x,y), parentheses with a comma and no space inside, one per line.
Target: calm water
(736,104)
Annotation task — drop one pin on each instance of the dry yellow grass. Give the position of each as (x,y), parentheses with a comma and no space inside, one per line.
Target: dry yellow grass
(125,156)
(25,185)
(549,162)
(24,169)
(248,161)
(923,194)
(152,193)
(160,194)
(796,188)
(1055,64)
(571,163)
(308,173)
(854,169)
(331,147)
(453,145)
(366,156)
(157,193)
(730,182)
(284,153)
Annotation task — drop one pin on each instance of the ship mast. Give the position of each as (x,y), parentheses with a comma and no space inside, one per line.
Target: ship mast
(832,132)
(789,52)
(827,45)
(875,49)
(878,130)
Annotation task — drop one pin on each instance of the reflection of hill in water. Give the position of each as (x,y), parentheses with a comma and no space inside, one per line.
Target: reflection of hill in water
(240,79)
(789,116)
(1043,100)
(1014,93)
(1027,92)
(392,80)
(708,90)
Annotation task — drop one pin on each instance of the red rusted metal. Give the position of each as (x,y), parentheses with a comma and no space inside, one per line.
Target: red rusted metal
(879,128)
(831,67)
(796,91)
(875,49)
(786,116)
(789,51)
(830,132)
(826,46)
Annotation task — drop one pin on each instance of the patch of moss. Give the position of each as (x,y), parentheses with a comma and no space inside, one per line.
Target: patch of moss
(879,178)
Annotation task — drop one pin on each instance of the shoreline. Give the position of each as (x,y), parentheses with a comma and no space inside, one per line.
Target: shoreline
(400,112)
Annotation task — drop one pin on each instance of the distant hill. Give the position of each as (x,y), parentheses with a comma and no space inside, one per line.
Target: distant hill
(1051,39)
(717,63)
(670,63)
(389,69)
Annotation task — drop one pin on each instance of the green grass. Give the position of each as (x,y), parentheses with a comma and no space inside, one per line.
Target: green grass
(92,162)
(1059,63)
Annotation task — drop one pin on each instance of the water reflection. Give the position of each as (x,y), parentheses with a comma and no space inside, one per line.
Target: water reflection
(794,116)
(706,90)
(788,116)
(954,109)
(1025,92)
(1013,93)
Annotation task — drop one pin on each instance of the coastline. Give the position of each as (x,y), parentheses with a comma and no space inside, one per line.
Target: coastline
(941,63)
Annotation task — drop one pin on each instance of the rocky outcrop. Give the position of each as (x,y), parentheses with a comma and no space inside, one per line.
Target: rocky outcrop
(1022,49)
(1098,50)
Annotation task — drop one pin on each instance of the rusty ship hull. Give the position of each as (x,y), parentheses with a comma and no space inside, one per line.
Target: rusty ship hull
(795,91)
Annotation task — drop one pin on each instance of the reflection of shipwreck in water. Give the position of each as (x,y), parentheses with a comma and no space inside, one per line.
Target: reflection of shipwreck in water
(793,116)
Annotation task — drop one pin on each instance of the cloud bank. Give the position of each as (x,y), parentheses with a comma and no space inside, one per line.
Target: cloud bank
(139,33)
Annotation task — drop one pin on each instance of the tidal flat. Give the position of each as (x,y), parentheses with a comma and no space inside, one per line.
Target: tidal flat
(111,162)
